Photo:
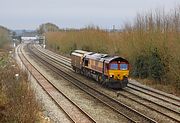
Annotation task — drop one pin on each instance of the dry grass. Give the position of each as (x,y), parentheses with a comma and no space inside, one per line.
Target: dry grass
(87,39)
(17,99)
(168,88)
(155,38)
(4,38)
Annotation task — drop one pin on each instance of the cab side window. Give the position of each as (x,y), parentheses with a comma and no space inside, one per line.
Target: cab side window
(86,62)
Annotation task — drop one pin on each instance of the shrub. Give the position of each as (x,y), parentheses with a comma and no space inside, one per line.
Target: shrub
(149,64)
(17,100)
(4,38)
(156,65)
(140,67)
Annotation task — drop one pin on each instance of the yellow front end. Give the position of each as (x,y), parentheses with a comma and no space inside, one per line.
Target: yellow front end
(118,74)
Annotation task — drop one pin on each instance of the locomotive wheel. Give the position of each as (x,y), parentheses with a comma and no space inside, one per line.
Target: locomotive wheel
(100,78)
(76,70)
(97,76)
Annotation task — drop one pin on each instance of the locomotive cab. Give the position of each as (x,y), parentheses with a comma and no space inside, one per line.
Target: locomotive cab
(118,72)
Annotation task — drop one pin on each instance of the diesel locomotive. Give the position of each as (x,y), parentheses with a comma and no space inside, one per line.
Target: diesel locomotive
(111,71)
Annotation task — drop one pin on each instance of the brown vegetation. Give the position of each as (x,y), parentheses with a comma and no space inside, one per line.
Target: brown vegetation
(47,27)
(4,38)
(17,99)
(155,46)
(86,39)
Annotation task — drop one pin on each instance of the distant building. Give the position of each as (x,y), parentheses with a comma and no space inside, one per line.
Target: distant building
(28,37)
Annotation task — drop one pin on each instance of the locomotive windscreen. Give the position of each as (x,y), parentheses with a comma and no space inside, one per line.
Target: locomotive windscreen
(113,66)
(123,66)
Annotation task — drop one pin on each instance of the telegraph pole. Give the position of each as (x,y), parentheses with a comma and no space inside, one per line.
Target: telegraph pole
(42,41)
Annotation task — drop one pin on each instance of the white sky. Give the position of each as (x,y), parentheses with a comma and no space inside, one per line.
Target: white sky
(29,14)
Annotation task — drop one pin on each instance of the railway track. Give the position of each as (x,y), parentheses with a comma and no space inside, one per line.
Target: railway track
(67,60)
(126,111)
(161,109)
(135,86)
(73,111)
(155,93)
(170,100)
(144,89)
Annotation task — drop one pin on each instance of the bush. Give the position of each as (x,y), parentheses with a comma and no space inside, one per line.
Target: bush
(4,38)
(17,99)
(156,66)
(89,39)
(140,67)
(149,65)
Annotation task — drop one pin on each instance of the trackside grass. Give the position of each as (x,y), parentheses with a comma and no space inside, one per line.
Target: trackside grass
(17,99)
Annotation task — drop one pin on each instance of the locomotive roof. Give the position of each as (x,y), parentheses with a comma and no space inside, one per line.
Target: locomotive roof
(77,54)
(81,51)
(118,58)
(98,56)
(102,57)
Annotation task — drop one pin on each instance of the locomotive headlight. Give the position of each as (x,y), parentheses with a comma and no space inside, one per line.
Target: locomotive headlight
(111,75)
(125,75)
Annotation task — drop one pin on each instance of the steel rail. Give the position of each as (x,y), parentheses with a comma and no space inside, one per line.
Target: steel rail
(160,98)
(72,118)
(93,92)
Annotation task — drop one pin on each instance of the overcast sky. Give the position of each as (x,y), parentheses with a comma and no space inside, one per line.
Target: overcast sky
(29,14)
